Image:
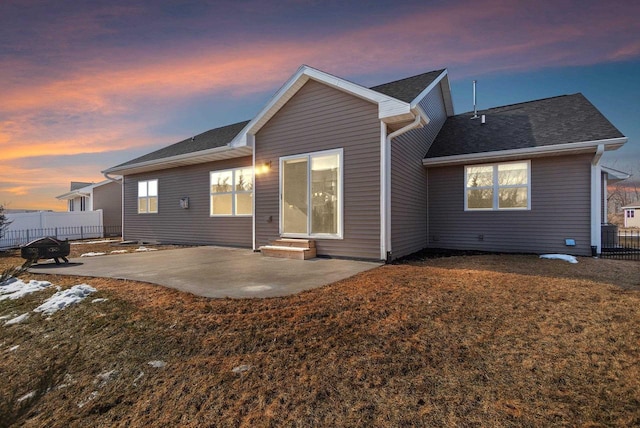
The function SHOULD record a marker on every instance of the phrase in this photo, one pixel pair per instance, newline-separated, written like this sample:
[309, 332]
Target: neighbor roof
[75, 185]
[546, 122]
[211, 139]
[409, 88]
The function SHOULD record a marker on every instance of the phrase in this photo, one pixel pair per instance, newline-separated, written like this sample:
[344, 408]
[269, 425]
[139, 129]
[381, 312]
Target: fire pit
[46, 248]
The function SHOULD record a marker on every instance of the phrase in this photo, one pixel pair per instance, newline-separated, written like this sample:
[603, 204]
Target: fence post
[81, 232]
[56, 233]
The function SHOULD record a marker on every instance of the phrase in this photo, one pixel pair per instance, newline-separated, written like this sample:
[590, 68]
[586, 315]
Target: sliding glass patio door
[311, 194]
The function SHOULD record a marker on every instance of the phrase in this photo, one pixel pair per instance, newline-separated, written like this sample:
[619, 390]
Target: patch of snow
[157, 364]
[18, 319]
[119, 251]
[91, 396]
[240, 369]
[564, 257]
[92, 254]
[27, 396]
[101, 299]
[5, 317]
[95, 242]
[137, 378]
[140, 249]
[104, 378]
[13, 348]
[15, 288]
[65, 298]
[257, 288]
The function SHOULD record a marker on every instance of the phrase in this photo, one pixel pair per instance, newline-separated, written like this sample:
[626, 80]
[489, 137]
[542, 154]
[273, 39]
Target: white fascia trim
[388, 107]
[428, 89]
[196, 157]
[558, 149]
[615, 174]
[73, 194]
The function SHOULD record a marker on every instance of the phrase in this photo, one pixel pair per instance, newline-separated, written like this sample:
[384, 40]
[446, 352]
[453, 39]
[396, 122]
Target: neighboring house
[379, 173]
[631, 216]
[105, 196]
[610, 176]
[78, 198]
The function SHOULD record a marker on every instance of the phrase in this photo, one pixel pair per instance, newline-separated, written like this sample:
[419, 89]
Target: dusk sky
[87, 85]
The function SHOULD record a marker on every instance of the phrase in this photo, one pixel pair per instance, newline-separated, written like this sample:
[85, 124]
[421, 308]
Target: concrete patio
[214, 271]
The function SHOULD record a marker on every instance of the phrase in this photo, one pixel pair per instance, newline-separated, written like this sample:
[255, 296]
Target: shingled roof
[409, 88]
[211, 139]
[404, 90]
[545, 122]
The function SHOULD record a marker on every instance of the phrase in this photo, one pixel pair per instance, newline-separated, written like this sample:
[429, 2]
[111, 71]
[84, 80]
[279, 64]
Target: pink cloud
[111, 102]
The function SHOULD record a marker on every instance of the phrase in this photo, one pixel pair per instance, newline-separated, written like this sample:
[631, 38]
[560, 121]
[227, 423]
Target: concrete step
[288, 252]
[293, 242]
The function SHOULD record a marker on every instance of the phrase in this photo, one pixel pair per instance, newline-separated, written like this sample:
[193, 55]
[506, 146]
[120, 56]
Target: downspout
[253, 200]
[596, 201]
[385, 185]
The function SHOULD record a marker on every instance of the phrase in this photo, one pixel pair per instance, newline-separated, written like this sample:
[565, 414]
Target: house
[105, 196]
[631, 215]
[379, 173]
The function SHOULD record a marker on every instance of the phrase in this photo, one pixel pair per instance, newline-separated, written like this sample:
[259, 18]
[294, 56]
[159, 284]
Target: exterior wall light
[264, 168]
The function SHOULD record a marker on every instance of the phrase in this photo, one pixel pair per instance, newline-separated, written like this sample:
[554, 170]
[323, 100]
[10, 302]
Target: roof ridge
[512, 106]
[407, 78]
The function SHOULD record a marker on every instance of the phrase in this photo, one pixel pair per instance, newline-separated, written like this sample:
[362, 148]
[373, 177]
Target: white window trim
[233, 191]
[147, 197]
[339, 235]
[496, 187]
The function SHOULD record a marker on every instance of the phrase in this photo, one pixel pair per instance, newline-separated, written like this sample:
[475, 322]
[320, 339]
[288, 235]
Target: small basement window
[500, 186]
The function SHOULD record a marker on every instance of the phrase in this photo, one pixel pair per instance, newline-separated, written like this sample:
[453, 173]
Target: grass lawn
[487, 340]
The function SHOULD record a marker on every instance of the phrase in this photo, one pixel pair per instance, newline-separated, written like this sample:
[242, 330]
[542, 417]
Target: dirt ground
[487, 340]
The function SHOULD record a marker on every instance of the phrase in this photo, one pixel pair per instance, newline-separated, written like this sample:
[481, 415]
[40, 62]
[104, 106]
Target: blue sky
[88, 85]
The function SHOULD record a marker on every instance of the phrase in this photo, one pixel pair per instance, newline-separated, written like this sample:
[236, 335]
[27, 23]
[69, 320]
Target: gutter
[167, 160]
[385, 178]
[559, 149]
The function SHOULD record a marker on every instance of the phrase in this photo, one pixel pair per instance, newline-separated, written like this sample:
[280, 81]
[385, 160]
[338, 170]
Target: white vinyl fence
[26, 227]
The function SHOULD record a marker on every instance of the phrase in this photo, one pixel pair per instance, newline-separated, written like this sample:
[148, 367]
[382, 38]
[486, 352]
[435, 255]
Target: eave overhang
[72, 195]
[202, 156]
[614, 174]
[530, 152]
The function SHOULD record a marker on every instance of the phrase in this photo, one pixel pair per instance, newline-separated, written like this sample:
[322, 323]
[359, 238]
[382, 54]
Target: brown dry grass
[467, 341]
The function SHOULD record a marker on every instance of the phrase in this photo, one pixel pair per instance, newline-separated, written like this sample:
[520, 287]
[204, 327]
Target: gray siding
[173, 224]
[321, 118]
[108, 198]
[409, 179]
[560, 208]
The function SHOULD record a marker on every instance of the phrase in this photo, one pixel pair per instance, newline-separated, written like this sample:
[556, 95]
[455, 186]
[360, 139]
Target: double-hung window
[311, 195]
[501, 186]
[147, 197]
[232, 192]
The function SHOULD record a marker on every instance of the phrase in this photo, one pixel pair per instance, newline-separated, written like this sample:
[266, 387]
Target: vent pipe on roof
[475, 104]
